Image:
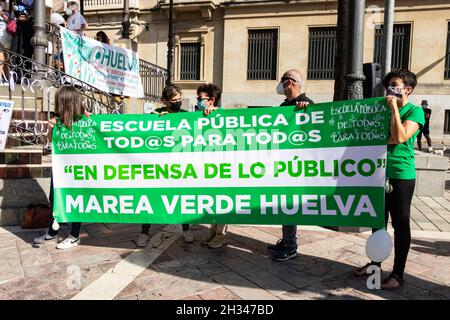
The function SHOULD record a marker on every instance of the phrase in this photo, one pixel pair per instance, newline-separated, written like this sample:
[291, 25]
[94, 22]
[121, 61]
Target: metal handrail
[153, 77]
[95, 3]
[35, 80]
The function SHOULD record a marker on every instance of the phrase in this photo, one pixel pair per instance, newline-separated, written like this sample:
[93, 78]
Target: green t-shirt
[400, 157]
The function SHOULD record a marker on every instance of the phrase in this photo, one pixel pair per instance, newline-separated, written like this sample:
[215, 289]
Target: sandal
[362, 271]
[388, 279]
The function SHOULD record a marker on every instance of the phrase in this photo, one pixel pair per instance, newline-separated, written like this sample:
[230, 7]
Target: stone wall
[430, 170]
[17, 194]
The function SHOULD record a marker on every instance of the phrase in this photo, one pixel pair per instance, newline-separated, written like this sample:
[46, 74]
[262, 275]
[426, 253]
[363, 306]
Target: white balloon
[55, 225]
[56, 18]
[379, 246]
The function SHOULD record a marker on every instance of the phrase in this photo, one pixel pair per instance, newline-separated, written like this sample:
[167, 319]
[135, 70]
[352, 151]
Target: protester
[58, 57]
[426, 128]
[171, 98]
[58, 60]
[5, 39]
[69, 108]
[290, 85]
[406, 121]
[102, 37]
[76, 21]
[208, 100]
[21, 41]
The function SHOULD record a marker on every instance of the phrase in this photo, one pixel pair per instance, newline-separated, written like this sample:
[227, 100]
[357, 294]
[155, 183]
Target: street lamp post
[170, 45]
[355, 45]
[126, 20]
[388, 30]
[39, 40]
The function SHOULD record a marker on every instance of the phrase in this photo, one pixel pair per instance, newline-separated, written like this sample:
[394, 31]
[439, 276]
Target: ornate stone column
[355, 75]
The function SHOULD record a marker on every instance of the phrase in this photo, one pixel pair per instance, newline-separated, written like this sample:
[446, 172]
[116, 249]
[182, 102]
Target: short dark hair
[212, 90]
[409, 78]
[170, 91]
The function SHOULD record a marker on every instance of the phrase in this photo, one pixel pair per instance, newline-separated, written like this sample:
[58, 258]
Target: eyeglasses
[202, 98]
[283, 79]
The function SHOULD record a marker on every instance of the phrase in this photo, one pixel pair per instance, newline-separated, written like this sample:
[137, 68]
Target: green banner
[324, 165]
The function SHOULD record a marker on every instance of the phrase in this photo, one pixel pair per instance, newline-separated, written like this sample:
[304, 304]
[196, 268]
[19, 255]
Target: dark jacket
[300, 98]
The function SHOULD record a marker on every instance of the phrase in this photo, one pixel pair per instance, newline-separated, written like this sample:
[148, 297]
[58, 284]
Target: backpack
[11, 26]
[37, 216]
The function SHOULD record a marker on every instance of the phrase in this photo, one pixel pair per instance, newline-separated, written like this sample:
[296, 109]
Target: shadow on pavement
[441, 248]
[243, 264]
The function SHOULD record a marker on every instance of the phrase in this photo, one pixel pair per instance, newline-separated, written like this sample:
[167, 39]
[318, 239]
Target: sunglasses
[283, 79]
[202, 98]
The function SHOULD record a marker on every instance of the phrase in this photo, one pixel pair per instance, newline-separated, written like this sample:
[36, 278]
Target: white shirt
[75, 21]
[2, 27]
[5, 37]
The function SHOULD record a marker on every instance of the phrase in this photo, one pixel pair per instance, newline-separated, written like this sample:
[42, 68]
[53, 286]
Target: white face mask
[280, 88]
[70, 9]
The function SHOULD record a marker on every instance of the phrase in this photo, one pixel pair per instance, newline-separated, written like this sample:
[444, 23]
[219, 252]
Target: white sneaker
[188, 236]
[68, 243]
[44, 239]
[142, 240]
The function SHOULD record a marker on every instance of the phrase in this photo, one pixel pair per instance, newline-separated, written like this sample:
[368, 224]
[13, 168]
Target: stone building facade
[214, 39]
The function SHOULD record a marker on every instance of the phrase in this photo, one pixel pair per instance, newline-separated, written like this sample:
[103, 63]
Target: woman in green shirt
[406, 120]
[171, 98]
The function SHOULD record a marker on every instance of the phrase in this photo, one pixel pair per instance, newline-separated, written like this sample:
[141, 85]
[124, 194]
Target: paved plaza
[108, 265]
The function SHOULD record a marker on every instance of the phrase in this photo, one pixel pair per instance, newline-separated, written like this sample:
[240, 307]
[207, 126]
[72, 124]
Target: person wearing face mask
[208, 101]
[426, 128]
[290, 86]
[406, 121]
[76, 21]
[171, 98]
[208, 98]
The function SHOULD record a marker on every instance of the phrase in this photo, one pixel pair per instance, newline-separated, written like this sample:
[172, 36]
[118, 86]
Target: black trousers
[398, 206]
[75, 227]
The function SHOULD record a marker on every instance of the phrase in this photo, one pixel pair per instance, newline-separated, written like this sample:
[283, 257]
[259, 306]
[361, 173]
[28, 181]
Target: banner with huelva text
[321, 166]
[105, 67]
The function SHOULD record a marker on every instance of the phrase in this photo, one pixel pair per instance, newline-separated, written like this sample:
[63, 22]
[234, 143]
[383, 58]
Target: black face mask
[175, 106]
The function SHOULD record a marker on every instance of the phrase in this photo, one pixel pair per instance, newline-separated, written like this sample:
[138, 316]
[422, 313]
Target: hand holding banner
[321, 166]
[105, 67]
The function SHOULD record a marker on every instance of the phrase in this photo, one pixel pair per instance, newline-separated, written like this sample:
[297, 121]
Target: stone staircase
[25, 170]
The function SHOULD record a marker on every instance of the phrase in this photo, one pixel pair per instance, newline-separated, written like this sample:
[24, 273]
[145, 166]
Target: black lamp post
[355, 45]
[126, 20]
[39, 40]
[387, 36]
[170, 45]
